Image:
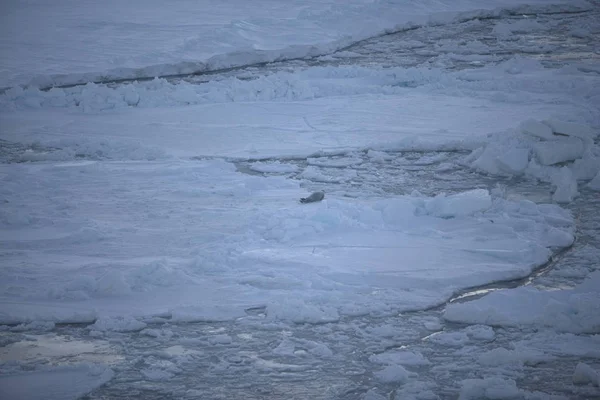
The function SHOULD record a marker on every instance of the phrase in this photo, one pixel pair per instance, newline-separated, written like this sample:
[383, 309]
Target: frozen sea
[152, 242]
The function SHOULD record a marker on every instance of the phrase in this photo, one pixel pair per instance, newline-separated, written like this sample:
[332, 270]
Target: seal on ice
[316, 196]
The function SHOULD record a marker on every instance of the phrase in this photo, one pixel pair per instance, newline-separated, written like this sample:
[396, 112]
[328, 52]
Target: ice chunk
[514, 161]
[486, 160]
[450, 339]
[501, 158]
[585, 374]
[392, 374]
[580, 32]
[299, 311]
[373, 395]
[501, 356]
[39, 326]
[461, 204]
[205, 313]
[576, 310]
[586, 167]
[379, 156]
[300, 347]
[399, 357]
[113, 283]
[557, 151]
[480, 332]
[566, 186]
[489, 388]
[63, 382]
[158, 333]
[156, 374]
[220, 339]
[537, 129]
[273, 167]
[571, 129]
[118, 324]
[595, 183]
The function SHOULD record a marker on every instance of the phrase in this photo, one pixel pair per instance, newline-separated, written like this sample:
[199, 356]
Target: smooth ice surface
[576, 310]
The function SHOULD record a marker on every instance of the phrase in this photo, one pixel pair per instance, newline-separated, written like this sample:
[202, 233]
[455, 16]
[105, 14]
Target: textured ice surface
[187, 37]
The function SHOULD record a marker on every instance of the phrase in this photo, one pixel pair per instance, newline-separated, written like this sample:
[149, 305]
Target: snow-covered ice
[54, 383]
[158, 218]
[187, 37]
[269, 247]
[576, 310]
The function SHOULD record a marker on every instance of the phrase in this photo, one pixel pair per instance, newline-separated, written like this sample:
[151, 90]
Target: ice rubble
[538, 149]
[318, 82]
